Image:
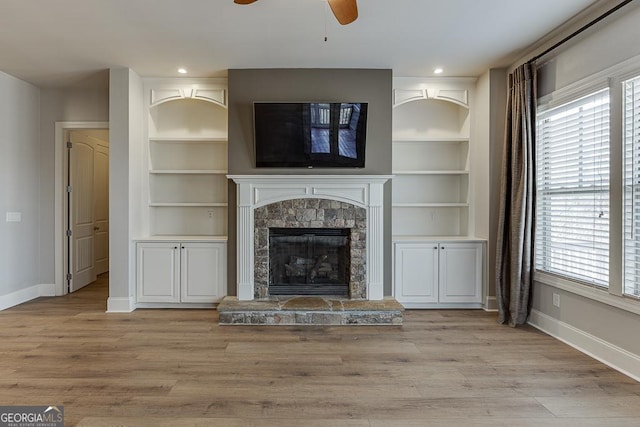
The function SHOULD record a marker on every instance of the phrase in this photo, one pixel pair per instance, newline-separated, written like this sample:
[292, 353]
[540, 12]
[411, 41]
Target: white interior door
[81, 210]
[101, 205]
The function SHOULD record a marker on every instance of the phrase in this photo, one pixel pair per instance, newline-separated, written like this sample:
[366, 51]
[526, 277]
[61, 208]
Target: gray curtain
[516, 227]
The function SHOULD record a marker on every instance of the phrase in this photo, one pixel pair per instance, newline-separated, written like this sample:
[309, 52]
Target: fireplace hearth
[309, 261]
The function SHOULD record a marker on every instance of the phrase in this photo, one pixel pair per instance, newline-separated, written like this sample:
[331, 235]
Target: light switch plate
[14, 216]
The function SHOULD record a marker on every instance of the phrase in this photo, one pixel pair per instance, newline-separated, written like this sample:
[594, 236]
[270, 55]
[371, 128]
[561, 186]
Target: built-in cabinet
[432, 203]
[181, 272]
[186, 187]
[438, 274]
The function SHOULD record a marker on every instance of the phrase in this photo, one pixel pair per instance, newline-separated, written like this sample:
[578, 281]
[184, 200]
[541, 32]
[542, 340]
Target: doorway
[87, 206]
[82, 204]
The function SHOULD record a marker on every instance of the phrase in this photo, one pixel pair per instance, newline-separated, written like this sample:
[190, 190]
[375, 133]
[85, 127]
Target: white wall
[19, 190]
[125, 178]
[72, 104]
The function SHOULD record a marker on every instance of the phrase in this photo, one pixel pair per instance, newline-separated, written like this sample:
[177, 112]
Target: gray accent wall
[308, 85]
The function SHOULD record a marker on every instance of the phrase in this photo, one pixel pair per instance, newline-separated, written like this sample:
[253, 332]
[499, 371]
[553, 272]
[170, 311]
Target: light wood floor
[179, 368]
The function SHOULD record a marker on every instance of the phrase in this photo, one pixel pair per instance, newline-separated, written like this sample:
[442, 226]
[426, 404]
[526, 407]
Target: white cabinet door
[203, 271]
[158, 266]
[416, 272]
[460, 273]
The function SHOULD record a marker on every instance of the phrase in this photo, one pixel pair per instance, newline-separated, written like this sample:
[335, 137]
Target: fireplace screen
[309, 261]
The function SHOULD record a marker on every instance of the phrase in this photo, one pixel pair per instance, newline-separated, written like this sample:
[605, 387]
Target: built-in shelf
[190, 171]
[195, 205]
[187, 158]
[431, 172]
[430, 205]
[190, 139]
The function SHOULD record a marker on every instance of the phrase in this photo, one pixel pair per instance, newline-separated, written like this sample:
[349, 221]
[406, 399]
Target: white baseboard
[491, 304]
[607, 353]
[120, 305]
[26, 294]
[47, 289]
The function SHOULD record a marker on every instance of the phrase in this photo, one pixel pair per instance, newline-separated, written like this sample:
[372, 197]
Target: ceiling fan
[345, 11]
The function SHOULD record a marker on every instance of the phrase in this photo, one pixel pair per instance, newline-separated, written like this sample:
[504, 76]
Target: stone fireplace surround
[311, 213]
[303, 199]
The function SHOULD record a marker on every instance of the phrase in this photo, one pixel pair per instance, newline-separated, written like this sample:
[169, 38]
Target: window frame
[612, 78]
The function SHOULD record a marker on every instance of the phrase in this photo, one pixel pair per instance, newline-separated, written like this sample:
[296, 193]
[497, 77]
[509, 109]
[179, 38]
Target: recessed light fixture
[182, 70]
[438, 71]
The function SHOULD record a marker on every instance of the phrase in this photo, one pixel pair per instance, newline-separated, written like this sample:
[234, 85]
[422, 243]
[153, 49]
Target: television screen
[311, 134]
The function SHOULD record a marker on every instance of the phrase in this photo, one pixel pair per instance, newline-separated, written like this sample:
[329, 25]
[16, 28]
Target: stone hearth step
[309, 310]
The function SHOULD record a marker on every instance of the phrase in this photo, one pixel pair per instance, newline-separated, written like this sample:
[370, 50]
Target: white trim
[59, 205]
[26, 294]
[490, 303]
[441, 305]
[592, 83]
[120, 305]
[617, 358]
[626, 303]
[47, 289]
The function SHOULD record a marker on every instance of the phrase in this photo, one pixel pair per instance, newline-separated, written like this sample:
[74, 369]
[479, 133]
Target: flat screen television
[310, 134]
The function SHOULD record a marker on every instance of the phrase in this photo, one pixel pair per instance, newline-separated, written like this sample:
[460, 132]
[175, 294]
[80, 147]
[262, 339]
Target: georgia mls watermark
[31, 416]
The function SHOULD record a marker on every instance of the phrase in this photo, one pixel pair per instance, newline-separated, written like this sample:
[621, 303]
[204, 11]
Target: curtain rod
[580, 30]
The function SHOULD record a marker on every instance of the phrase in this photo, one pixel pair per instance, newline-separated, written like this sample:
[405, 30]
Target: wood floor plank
[179, 367]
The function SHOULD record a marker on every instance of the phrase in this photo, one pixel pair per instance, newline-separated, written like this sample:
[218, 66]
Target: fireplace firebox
[309, 261]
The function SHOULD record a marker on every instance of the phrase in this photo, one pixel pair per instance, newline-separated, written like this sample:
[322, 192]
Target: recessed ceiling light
[182, 70]
[438, 71]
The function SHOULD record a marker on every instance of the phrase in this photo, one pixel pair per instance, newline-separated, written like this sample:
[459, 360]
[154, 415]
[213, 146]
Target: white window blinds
[572, 215]
[631, 90]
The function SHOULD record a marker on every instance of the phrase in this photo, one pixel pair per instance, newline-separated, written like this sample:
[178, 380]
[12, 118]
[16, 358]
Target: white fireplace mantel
[361, 190]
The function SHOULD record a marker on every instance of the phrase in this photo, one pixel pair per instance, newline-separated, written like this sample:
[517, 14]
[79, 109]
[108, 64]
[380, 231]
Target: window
[631, 129]
[572, 224]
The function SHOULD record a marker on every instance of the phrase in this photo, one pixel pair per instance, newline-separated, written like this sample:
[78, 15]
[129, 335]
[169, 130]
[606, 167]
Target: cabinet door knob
[175, 247]
[435, 247]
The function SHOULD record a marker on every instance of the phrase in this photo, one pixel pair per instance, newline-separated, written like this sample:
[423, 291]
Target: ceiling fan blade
[244, 1]
[346, 11]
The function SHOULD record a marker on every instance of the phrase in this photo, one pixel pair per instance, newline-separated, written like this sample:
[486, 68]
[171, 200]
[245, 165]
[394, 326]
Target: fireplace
[352, 202]
[304, 229]
[309, 261]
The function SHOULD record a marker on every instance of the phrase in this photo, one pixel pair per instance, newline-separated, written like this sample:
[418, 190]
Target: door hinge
[69, 233]
[69, 144]
[69, 189]
[69, 276]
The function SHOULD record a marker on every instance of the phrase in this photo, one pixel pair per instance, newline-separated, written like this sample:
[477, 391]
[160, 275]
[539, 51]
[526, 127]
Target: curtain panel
[516, 227]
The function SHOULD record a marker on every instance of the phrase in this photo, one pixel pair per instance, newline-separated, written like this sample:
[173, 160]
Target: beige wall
[599, 323]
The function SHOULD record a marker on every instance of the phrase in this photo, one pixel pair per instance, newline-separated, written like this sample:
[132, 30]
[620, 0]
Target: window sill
[622, 302]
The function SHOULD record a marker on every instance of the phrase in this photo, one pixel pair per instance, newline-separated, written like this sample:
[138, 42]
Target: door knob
[96, 228]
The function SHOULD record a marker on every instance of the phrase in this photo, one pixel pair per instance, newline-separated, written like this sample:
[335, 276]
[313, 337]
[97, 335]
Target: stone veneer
[311, 213]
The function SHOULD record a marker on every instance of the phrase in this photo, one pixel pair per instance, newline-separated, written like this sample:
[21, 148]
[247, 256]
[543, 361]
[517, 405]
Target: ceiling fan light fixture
[345, 11]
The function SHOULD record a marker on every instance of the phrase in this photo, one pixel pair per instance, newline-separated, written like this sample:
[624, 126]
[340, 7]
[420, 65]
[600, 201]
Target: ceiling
[64, 42]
